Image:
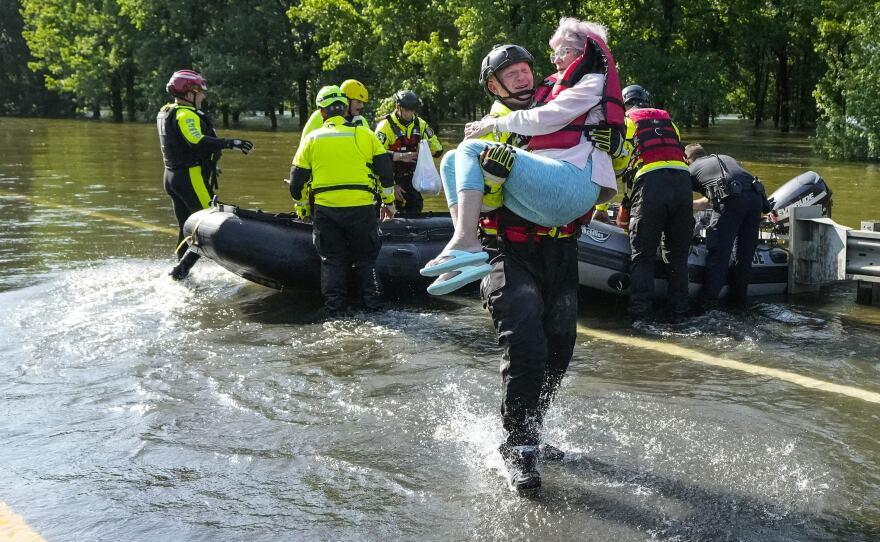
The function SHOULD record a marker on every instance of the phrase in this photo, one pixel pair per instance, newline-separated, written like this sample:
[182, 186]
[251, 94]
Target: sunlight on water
[138, 408]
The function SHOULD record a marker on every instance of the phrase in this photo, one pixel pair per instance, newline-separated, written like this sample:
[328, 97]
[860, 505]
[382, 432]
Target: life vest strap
[509, 227]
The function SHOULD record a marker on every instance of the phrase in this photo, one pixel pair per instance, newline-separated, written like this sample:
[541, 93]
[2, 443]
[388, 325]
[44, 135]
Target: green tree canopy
[798, 63]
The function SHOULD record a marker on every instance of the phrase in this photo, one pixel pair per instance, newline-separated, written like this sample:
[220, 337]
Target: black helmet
[500, 57]
[407, 99]
[636, 95]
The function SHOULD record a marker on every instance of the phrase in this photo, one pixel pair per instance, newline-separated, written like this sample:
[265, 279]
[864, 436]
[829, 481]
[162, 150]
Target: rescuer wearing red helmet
[190, 150]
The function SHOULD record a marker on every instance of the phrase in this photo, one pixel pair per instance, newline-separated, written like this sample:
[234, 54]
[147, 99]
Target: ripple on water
[208, 403]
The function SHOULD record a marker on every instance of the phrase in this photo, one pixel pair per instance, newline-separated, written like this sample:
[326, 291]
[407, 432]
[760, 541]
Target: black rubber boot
[548, 452]
[369, 288]
[181, 270]
[522, 465]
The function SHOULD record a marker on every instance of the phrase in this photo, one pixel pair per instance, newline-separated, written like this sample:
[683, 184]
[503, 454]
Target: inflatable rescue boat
[276, 250]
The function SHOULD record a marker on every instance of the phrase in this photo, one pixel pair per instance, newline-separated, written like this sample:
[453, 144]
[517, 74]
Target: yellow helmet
[329, 95]
[355, 90]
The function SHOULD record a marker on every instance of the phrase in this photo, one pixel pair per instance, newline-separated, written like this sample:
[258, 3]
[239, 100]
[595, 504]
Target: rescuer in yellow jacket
[190, 151]
[346, 169]
[357, 95]
[400, 133]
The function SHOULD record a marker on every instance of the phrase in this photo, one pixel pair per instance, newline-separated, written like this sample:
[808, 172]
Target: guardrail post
[818, 250]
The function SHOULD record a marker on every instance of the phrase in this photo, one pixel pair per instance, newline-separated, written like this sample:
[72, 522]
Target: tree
[21, 90]
[848, 94]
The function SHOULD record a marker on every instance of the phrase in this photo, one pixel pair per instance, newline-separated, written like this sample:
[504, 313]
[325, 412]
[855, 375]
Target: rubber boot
[548, 452]
[369, 287]
[334, 288]
[522, 466]
[181, 270]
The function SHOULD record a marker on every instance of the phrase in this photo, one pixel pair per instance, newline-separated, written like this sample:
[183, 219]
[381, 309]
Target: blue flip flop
[463, 275]
[457, 259]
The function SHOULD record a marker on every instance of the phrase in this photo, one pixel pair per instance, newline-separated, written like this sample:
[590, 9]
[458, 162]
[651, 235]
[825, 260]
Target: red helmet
[182, 81]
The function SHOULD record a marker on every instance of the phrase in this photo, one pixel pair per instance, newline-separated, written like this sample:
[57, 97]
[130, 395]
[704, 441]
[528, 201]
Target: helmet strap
[182, 98]
[401, 121]
[523, 97]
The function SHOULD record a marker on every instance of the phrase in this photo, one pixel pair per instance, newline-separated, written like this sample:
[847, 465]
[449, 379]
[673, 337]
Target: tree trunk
[129, 93]
[116, 98]
[273, 117]
[783, 90]
[761, 79]
[302, 100]
[224, 110]
[235, 115]
[96, 110]
[704, 116]
[667, 24]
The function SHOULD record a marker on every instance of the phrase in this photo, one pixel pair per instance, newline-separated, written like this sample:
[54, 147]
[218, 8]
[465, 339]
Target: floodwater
[135, 408]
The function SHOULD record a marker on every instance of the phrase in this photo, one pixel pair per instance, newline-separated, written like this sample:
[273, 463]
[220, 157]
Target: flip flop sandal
[463, 275]
[457, 259]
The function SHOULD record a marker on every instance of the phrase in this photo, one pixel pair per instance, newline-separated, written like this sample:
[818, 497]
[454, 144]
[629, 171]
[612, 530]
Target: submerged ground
[135, 408]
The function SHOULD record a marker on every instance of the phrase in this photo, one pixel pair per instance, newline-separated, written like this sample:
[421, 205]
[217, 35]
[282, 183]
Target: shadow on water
[694, 513]
[377, 426]
[304, 306]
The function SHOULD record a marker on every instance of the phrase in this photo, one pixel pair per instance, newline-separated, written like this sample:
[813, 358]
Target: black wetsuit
[531, 294]
[190, 161]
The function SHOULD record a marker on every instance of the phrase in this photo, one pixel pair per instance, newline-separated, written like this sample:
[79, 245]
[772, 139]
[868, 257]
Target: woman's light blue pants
[541, 190]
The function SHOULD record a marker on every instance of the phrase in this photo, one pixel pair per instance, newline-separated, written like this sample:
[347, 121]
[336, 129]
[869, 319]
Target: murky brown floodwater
[136, 408]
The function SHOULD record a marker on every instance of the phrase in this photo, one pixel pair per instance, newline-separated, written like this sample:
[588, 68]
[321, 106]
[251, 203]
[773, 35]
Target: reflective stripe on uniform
[198, 184]
[332, 134]
[553, 232]
[664, 164]
[190, 125]
[339, 156]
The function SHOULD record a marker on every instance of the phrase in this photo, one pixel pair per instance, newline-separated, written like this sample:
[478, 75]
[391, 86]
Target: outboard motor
[804, 190]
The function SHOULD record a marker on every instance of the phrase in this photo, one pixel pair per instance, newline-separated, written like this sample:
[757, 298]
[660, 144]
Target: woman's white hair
[574, 32]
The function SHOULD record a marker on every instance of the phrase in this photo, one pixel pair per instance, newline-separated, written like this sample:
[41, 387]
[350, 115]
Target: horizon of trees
[795, 64]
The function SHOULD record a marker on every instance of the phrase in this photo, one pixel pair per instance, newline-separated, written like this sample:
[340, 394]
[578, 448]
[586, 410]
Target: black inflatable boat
[276, 250]
[604, 249]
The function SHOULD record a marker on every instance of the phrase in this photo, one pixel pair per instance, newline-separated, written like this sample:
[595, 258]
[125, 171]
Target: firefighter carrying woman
[530, 202]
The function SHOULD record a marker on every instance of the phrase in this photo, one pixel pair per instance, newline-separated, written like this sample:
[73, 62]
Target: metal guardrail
[863, 255]
[824, 252]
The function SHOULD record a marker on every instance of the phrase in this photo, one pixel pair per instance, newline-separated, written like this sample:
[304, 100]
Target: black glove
[606, 139]
[497, 161]
[243, 145]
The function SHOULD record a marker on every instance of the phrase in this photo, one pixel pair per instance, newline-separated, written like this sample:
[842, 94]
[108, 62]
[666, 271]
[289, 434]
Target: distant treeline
[798, 64]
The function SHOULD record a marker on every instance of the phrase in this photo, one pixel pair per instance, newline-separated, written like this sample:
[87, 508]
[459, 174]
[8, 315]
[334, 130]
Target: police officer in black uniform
[190, 150]
[737, 196]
